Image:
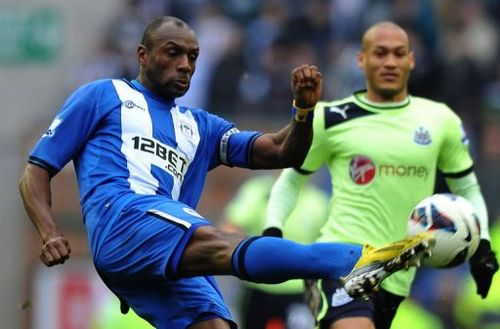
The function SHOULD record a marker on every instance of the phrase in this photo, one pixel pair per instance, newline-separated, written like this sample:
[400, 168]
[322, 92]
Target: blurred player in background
[280, 305]
[382, 147]
[141, 162]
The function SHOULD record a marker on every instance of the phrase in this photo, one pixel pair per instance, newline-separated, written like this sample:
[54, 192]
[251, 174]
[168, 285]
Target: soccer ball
[456, 227]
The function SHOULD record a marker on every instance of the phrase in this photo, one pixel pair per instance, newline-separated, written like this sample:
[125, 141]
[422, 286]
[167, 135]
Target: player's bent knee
[209, 252]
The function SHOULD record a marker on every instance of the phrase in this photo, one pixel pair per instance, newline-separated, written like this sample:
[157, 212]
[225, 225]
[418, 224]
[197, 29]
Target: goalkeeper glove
[483, 264]
[273, 231]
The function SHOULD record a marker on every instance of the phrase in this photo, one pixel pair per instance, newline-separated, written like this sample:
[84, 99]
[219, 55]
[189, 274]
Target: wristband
[302, 114]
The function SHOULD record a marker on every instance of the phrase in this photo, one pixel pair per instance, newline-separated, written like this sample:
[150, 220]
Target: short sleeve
[231, 147]
[69, 130]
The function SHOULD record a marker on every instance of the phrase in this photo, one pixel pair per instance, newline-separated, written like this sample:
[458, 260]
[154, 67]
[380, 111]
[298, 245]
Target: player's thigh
[209, 251]
[386, 306]
[146, 240]
[353, 322]
[344, 312]
[341, 311]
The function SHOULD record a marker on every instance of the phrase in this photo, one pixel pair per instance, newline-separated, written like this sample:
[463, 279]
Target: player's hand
[307, 85]
[483, 264]
[55, 250]
[273, 231]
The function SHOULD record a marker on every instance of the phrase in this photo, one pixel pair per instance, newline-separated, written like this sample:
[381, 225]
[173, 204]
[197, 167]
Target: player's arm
[66, 135]
[468, 187]
[282, 201]
[483, 263]
[455, 155]
[35, 190]
[289, 146]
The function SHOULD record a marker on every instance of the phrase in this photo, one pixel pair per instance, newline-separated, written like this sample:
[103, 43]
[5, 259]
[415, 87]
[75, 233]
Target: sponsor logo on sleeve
[464, 138]
[51, 131]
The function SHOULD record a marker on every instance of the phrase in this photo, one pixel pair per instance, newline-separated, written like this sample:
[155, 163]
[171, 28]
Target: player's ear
[361, 59]
[412, 60]
[142, 54]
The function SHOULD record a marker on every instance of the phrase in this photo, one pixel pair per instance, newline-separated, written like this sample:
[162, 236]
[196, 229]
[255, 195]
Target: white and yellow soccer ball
[455, 225]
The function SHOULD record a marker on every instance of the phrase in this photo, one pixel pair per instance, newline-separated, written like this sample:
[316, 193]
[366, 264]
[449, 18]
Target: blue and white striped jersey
[125, 140]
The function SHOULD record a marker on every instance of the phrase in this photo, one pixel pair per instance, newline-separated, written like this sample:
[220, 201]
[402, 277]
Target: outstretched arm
[283, 199]
[483, 264]
[289, 146]
[34, 187]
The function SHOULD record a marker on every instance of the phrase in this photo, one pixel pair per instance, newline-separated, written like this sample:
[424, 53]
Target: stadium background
[248, 47]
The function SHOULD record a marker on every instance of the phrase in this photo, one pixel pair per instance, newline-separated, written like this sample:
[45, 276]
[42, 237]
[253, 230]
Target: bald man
[382, 147]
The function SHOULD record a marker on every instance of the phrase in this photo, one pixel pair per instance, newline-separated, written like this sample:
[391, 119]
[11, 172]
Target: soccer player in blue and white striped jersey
[141, 161]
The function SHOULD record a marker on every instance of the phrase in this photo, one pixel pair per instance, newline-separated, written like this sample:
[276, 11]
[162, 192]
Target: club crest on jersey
[340, 297]
[422, 136]
[362, 170]
[186, 128]
[52, 128]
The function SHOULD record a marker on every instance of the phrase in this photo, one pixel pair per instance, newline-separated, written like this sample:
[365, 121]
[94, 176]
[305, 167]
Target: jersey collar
[360, 97]
[140, 87]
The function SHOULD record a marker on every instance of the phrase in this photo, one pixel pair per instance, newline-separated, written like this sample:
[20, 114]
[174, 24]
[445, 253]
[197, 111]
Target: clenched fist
[55, 250]
[307, 85]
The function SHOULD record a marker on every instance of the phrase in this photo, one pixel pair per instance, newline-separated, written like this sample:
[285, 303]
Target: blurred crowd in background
[248, 48]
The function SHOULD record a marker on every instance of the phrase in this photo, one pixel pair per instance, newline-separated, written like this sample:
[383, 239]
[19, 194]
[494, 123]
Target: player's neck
[153, 89]
[377, 98]
[369, 101]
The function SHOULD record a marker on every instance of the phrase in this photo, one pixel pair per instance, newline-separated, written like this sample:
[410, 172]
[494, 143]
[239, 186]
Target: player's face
[387, 62]
[169, 64]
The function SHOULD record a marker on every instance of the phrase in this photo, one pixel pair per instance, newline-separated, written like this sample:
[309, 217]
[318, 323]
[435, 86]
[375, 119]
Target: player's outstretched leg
[375, 264]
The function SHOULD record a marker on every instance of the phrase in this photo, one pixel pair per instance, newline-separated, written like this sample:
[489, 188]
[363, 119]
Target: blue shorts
[137, 252]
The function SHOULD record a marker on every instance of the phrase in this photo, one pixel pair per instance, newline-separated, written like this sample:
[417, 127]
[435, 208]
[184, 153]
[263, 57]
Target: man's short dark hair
[155, 24]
